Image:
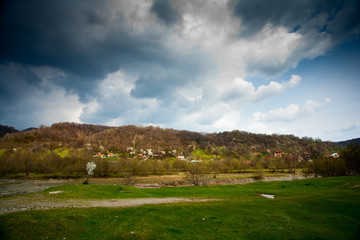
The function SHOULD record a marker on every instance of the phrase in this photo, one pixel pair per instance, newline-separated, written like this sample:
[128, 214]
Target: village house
[141, 156]
[306, 156]
[195, 161]
[278, 153]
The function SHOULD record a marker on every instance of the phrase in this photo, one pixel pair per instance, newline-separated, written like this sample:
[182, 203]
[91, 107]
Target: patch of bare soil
[10, 187]
[24, 203]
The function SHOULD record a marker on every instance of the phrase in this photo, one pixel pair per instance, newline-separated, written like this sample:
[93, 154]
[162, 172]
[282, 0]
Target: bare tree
[198, 174]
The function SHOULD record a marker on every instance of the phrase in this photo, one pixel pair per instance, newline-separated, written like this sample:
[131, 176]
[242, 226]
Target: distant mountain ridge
[9, 129]
[344, 143]
[29, 129]
[6, 129]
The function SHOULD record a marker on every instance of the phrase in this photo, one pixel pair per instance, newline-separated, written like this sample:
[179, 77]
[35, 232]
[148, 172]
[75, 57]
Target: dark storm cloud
[294, 14]
[345, 22]
[164, 80]
[164, 11]
[89, 39]
[45, 33]
[14, 88]
[151, 86]
[82, 38]
[52, 33]
[80, 43]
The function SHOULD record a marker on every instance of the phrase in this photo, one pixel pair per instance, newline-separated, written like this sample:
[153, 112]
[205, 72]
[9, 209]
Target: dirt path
[22, 203]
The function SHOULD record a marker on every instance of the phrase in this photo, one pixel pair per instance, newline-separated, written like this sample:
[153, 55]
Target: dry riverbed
[13, 187]
[14, 192]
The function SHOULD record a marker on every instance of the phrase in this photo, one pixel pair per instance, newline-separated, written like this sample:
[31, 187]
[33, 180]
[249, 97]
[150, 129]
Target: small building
[180, 157]
[306, 156]
[278, 153]
[195, 161]
[142, 156]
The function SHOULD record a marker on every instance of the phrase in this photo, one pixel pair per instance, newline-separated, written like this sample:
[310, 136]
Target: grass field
[327, 208]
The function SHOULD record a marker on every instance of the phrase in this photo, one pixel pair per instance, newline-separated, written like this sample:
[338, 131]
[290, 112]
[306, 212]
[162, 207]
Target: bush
[328, 167]
[351, 156]
[198, 174]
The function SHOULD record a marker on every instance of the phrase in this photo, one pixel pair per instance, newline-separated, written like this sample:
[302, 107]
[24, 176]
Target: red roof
[268, 157]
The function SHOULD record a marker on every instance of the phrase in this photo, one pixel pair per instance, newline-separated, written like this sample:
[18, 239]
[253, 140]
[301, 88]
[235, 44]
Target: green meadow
[322, 208]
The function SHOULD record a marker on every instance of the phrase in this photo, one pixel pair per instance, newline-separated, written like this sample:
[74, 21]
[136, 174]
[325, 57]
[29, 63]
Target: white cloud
[259, 127]
[191, 92]
[212, 27]
[210, 118]
[54, 106]
[291, 112]
[229, 121]
[115, 82]
[276, 87]
[354, 127]
[115, 122]
[311, 106]
[244, 92]
[301, 120]
[114, 104]
[192, 106]
[282, 114]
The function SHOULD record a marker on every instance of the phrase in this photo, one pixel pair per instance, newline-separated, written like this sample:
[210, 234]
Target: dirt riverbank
[13, 187]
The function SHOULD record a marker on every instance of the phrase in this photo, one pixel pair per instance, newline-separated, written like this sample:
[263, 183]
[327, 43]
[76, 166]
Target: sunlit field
[325, 208]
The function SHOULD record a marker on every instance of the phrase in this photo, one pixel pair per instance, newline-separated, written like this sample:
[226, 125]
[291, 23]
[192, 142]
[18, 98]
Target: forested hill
[99, 138]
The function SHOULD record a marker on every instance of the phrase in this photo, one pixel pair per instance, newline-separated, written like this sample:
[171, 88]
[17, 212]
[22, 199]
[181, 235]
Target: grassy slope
[306, 209]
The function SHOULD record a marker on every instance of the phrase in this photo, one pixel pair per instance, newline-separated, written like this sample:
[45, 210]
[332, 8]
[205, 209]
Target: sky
[283, 67]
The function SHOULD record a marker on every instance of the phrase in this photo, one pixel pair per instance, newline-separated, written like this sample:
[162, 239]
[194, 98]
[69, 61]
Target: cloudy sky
[286, 67]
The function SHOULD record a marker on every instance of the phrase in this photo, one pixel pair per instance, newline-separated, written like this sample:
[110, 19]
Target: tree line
[73, 163]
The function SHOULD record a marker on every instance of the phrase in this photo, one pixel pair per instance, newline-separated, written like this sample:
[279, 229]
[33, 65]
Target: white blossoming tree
[90, 167]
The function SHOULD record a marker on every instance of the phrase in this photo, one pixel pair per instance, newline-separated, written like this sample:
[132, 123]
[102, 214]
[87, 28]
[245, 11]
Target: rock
[56, 192]
[267, 196]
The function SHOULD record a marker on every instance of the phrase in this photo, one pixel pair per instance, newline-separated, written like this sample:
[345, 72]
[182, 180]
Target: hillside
[64, 150]
[120, 139]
